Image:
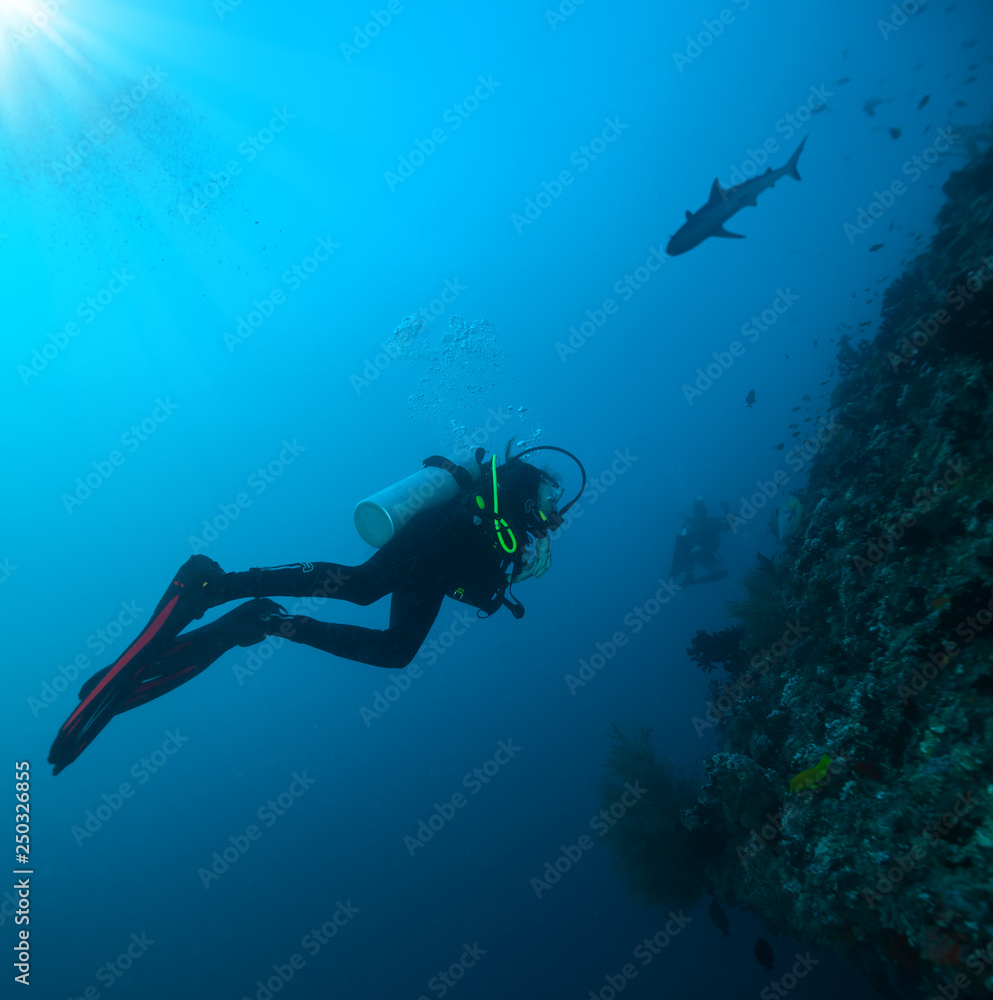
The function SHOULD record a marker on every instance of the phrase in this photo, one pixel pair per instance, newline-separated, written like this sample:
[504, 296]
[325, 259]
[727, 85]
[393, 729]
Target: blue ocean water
[259, 262]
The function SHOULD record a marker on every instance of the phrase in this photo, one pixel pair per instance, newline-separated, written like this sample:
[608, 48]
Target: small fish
[750, 398]
[763, 952]
[871, 105]
[818, 108]
[968, 80]
[924, 100]
[868, 769]
[812, 777]
[960, 104]
[806, 398]
[843, 81]
[876, 246]
[785, 518]
[779, 447]
[895, 133]
[815, 343]
[719, 918]
[919, 66]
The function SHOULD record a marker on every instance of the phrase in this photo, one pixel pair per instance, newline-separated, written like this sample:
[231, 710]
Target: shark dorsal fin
[689, 214]
[716, 193]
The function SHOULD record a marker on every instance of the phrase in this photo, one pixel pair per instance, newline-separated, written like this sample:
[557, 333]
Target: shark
[725, 202]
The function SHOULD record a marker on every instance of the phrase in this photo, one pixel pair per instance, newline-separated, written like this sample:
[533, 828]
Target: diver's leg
[383, 573]
[362, 584]
[192, 652]
[718, 569]
[321, 579]
[412, 613]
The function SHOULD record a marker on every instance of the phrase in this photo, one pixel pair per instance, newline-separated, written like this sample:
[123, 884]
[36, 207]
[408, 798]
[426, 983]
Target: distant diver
[697, 544]
[466, 530]
[725, 202]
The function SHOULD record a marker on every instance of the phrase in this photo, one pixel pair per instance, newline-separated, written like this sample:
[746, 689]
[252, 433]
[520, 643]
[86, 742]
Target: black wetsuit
[438, 552]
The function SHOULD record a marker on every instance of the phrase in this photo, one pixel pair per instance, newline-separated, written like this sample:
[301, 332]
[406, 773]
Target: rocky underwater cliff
[851, 801]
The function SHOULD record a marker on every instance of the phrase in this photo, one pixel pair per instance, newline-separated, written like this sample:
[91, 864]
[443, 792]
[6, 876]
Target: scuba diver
[468, 531]
[697, 544]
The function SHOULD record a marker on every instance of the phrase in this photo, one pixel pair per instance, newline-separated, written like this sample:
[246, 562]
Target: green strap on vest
[498, 522]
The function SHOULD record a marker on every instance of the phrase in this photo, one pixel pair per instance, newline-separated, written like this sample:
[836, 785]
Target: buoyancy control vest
[495, 510]
[503, 509]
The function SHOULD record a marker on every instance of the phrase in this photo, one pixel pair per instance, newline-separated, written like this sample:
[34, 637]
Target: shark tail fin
[791, 165]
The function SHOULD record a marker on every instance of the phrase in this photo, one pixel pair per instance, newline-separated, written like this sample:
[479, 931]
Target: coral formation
[652, 826]
[710, 650]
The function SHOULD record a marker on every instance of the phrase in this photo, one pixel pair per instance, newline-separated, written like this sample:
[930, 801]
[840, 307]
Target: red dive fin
[102, 697]
[99, 705]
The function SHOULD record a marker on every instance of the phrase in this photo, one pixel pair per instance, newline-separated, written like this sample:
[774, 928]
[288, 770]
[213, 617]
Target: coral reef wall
[868, 640]
[885, 662]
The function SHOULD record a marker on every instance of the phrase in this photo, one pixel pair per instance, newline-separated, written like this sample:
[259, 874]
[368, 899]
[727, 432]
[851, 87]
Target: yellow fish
[812, 776]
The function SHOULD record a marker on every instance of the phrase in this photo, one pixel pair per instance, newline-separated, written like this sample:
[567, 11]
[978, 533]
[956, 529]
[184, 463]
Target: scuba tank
[379, 517]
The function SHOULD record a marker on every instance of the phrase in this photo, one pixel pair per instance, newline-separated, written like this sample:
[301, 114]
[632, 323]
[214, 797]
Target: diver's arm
[540, 563]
